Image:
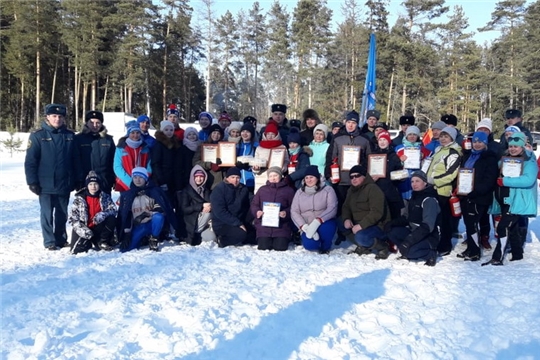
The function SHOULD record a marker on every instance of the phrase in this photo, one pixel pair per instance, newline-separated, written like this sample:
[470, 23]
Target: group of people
[323, 189]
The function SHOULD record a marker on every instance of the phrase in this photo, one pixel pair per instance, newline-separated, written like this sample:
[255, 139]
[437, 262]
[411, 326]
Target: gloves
[242, 166]
[215, 167]
[157, 208]
[141, 218]
[36, 189]
[500, 181]
[83, 231]
[99, 217]
[164, 187]
[312, 229]
[218, 161]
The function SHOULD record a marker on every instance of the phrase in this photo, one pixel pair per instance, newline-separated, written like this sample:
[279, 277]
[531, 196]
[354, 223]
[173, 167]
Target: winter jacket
[148, 139]
[273, 192]
[301, 162]
[523, 195]
[398, 140]
[186, 164]
[388, 186]
[319, 154]
[444, 167]
[486, 171]
[192, 202]
[247, 149]
[321, 204]
[95, 151]
[214, 171]
[78, 215]
[404, 186]
[230, 204]
[166, 162]
[365, 205]
[306, 136]
[125, 162]
[334, 151]
[51, 160]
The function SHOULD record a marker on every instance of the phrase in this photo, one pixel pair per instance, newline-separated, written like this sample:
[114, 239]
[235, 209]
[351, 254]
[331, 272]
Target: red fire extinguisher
[467, 144]
[291, 167]
[334, 172]
[455, 206]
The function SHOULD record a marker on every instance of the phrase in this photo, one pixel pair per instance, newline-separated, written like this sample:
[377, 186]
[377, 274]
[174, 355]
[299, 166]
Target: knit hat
[233, 171]
[413, 129]
[173, 110]
[358, 169]
[375, 113]
[206, 115]
[55, 109]
[224, 117]
[92, 177]
[449, 119]
[312, 170]
[294, 136]
[279, 107]
[93, 114]
[485, 123]
[275, 169]
[384, 135]
[352, 116]
[321, 127]
[216, 127]
[512, 129]
[517, 139]
[190, 130]
[132, 126]
[512, 113]
[406, 120]
[450, 131]
[199, 173]
[480, 136]
[143, 118]
[250, 119]
[420, 174]
[336, 124]
[235, 125]
[164, 124]
[140, 171]
[272, 127]
[247, 126]
[439, 125]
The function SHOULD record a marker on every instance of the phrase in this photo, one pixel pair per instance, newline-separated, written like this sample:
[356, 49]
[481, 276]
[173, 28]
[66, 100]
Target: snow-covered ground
[240, 303]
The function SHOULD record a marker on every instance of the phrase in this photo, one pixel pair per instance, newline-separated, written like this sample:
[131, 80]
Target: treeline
[138, 56]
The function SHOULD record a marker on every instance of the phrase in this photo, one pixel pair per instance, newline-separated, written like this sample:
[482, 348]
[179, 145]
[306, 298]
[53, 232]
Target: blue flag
[368, 97]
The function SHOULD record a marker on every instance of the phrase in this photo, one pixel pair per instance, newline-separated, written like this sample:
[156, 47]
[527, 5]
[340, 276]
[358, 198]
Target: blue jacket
[246, 149]
[51, 160]
[148, 139]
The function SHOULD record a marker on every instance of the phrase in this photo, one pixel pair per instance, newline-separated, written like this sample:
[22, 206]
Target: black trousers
[229, 235]
[472, 214]
[53, 208]
[103, 233]
[275, 243]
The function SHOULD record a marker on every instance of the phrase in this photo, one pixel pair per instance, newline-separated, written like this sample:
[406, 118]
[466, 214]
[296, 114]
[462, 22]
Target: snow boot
[361, 250]
[381, 249]
[484, 241]
[153, 243]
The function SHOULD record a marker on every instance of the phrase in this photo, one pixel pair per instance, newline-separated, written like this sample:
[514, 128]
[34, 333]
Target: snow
[240, 303]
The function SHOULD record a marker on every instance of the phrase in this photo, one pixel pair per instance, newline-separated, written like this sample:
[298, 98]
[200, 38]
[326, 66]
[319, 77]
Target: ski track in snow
[240, 303]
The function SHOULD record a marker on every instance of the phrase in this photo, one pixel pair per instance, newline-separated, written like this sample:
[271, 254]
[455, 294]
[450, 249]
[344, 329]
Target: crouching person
[144, 211]
[416, 234]
[196, 208]
[93, 217]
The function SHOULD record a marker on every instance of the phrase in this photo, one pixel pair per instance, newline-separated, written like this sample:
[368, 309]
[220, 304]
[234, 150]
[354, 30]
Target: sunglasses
[511, 138]
[355, 176]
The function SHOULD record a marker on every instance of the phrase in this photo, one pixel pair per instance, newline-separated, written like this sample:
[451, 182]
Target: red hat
[272, 127]
[385, 135]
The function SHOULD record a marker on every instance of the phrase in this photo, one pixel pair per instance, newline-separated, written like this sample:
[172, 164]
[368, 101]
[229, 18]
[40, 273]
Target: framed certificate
[377, 165]
[350, 156]
[511, 166]
[209, 152]
[227, 153]
[413, 157]
[277, 157]
[426, 164]
[465, 181]
[270, 216]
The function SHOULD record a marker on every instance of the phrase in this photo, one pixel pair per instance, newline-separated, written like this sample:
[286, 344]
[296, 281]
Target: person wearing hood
[190, 145]
[196, 208]
[314, 210]
[166, 161]
[247, 147]
[442, 173]
[416, 233]
[319, 146]
[298, 157]
[280, 119]
[205, 121]
[173, 115]
[275, 191]
[310, 119]
[144, 125]
[143, 212]
[364, 214]
[52, 168]
[95, 151]
[214, 171]
[92, 217]
[131, 152]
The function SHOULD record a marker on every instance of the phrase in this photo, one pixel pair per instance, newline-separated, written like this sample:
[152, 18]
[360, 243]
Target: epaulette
[33, 131]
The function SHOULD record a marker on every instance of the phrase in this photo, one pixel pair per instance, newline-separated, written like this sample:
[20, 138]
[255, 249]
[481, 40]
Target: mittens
[36, 189]
[312, 228]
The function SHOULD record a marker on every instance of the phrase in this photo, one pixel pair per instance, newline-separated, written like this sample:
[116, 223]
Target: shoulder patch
[29, 144]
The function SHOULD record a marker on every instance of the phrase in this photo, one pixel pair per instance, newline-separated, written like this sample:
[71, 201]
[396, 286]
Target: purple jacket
[306, 207]
[273, 192]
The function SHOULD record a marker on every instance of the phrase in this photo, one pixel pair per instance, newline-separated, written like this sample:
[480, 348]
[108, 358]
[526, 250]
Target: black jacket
[388, 186]
[486, 171]
[230, 204]
[166, 162]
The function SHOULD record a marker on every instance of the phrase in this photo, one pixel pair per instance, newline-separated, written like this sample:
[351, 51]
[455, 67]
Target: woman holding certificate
[246, 149]
[476, 181]
[271, 152]
[271, 208]
[515, 197]
[314, 210]
[207, 156]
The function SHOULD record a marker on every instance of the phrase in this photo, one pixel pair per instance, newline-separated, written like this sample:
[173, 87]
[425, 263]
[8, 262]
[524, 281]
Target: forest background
[138, 56]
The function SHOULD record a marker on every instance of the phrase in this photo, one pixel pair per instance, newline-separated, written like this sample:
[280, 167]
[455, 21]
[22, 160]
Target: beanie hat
[321, 127]
[358, 169]
[206, 115]
[172, 110]
[216, 127]
[512, 113]
[381, 125]
[140, 171]
[164, 124]
[294, 136]
[413, 129]
[374, 113]
[449, 119]
[190, 130]
[352, 116]
[275, 169]
[310, 114]
[517, 139]
[439, 125]
[312, 170]
[132, 126]
[55, 109]
[336, 124]
[279, 107]
[480, 136]
[384, 135]
[92, 177]
[406, 120]
[450, 131]
[143, 118]
[93, 114]
[272, 127]
[224, 116]
[199, 172]
[295, 123]
[235, 125]
[420, 174]
[485, 123]
[233, 171]
[247, 126]
[512, 129]
[250, 119]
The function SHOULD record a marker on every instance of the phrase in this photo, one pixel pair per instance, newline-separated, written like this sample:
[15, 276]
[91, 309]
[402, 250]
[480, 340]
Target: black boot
[360, 250]
[381, 249]
[153, 243]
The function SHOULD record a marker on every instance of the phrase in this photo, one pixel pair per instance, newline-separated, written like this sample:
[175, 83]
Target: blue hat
[517, 139]
[512, 129]
[294, 136]
[143, 118]
[233, 171]
[55, 109]
[140, 171]
[352, 116]
[173, 110]
[480, 136]
[312, 170]
[132, 125]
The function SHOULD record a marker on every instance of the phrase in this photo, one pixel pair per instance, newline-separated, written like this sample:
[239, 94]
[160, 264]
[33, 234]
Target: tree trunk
[390, 99]
[38, 88]
[105, 94]
[404, 99]
[164, 83]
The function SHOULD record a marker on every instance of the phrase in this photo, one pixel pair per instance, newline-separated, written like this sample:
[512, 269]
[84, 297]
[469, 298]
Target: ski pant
[326, 232]
[53, 208]
[448, 224]
[422, 250]
[508, 231]
[229, 235]
[472, 213]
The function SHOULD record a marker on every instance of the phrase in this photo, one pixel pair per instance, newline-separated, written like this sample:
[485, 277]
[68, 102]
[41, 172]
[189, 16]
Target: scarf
[294, 151]
[475, 155]
[310, 189]
[133, 144]
[191, 145]
[270, 144]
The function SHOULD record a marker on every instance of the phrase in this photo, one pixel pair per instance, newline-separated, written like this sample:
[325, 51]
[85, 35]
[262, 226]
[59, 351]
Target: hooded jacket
[192, 199]
[79, 213]
[321, 204]
[125, 162]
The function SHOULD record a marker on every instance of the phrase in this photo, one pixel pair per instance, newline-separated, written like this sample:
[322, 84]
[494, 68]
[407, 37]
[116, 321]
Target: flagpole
[368, 97]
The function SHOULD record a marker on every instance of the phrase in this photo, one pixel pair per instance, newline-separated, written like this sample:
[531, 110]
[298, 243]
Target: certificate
[511, 166]
[413, 157]
[270, 216]
[465, 181]
[227, 153]
[377, 165]
[350, 156]
[426, 164]
[277, 157]
[260, 180]
[209, 153]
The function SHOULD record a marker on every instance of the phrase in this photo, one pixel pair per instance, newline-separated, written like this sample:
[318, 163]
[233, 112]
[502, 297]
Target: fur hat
[485, 123]
[294, 136]
[140, 171]
[517, 139]
[312, 170]
[295, 123]
[412, 129]
[352, 116]
[272, 127]
[233, 171]
[336, 124]
[439, 125]
[275, 169]
[406, 120]
[143, 118]
[279, 107]
[164, 124]
[55, 109]
[92, 177]
[384, 135]
[93, 114]
[375, 113]
[420, 174]
[358, 169]
[449, 119]
[450, 131]
[512, 113]
[310, 114]
[322, 128]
